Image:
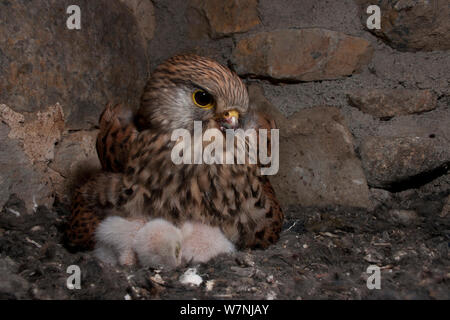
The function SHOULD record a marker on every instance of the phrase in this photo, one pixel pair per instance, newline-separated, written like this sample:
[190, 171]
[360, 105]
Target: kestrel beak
[229, 120]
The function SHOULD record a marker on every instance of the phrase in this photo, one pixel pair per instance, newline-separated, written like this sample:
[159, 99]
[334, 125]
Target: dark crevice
[277, 81]
[419, 180]
[91, 128]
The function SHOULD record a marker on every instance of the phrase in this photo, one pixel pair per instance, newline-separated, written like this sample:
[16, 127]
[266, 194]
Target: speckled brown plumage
[117, 133]
[234, 197]
[90, 206]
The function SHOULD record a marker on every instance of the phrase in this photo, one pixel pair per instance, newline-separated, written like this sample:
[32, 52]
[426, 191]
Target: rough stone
[219, 18]
[39, 160]
[318, 165]
[39, 135]
[404, 217]
[390, 162]
[18, 176]
[144, 12]
[260, 103]
[74, 147]
[12, 286]
[410, 25]
[28, 143]
[75, 156]
[388, 103]
[446, 209]
[42, 62]
[301, 55]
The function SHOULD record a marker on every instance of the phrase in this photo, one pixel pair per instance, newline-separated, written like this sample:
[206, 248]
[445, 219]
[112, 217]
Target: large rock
[219, 18]
[75, 148]
[446, 209]
[301, 55]
[144, 12]
[260, 102]
[42, 62]
[318, 165]
[387, 103]
[18, 175]
[75, 159]
[390, 162]
[38, 135]
[28, 144]
[39, 159]
[411, 25]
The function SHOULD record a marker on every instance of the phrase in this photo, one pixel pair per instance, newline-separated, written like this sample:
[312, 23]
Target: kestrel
[144, 183]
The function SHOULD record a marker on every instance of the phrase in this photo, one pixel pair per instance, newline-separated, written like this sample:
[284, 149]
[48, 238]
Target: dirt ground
[322, 254]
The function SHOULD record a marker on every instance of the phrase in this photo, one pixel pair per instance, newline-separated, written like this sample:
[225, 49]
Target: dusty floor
[323, 254]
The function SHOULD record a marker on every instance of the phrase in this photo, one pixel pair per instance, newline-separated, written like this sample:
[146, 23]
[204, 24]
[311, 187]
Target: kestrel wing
[117, 133]
[92, 202]
[270, 233]
[263, 121]
[269, 229]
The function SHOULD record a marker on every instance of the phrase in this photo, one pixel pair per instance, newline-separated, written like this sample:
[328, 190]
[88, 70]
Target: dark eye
[203, 99]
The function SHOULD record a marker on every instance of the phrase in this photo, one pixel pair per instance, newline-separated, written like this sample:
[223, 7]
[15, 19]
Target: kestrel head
[188, 88]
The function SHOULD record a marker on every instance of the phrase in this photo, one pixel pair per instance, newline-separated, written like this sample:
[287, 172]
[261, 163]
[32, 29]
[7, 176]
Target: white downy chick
[158, 244]
[114, 240]
[202, 242]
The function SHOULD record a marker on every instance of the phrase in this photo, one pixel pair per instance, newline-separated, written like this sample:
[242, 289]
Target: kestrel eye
[203, 99]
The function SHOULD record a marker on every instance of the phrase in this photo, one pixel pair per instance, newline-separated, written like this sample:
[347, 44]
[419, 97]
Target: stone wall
[363, 115]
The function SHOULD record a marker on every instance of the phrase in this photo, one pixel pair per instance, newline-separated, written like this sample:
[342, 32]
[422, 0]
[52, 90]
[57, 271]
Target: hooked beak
[229, 120]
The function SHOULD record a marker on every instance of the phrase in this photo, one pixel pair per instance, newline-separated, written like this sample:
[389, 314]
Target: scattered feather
[190, 277]
[16, 213]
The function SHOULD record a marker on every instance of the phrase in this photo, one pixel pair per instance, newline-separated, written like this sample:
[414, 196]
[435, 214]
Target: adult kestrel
[233, 197]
